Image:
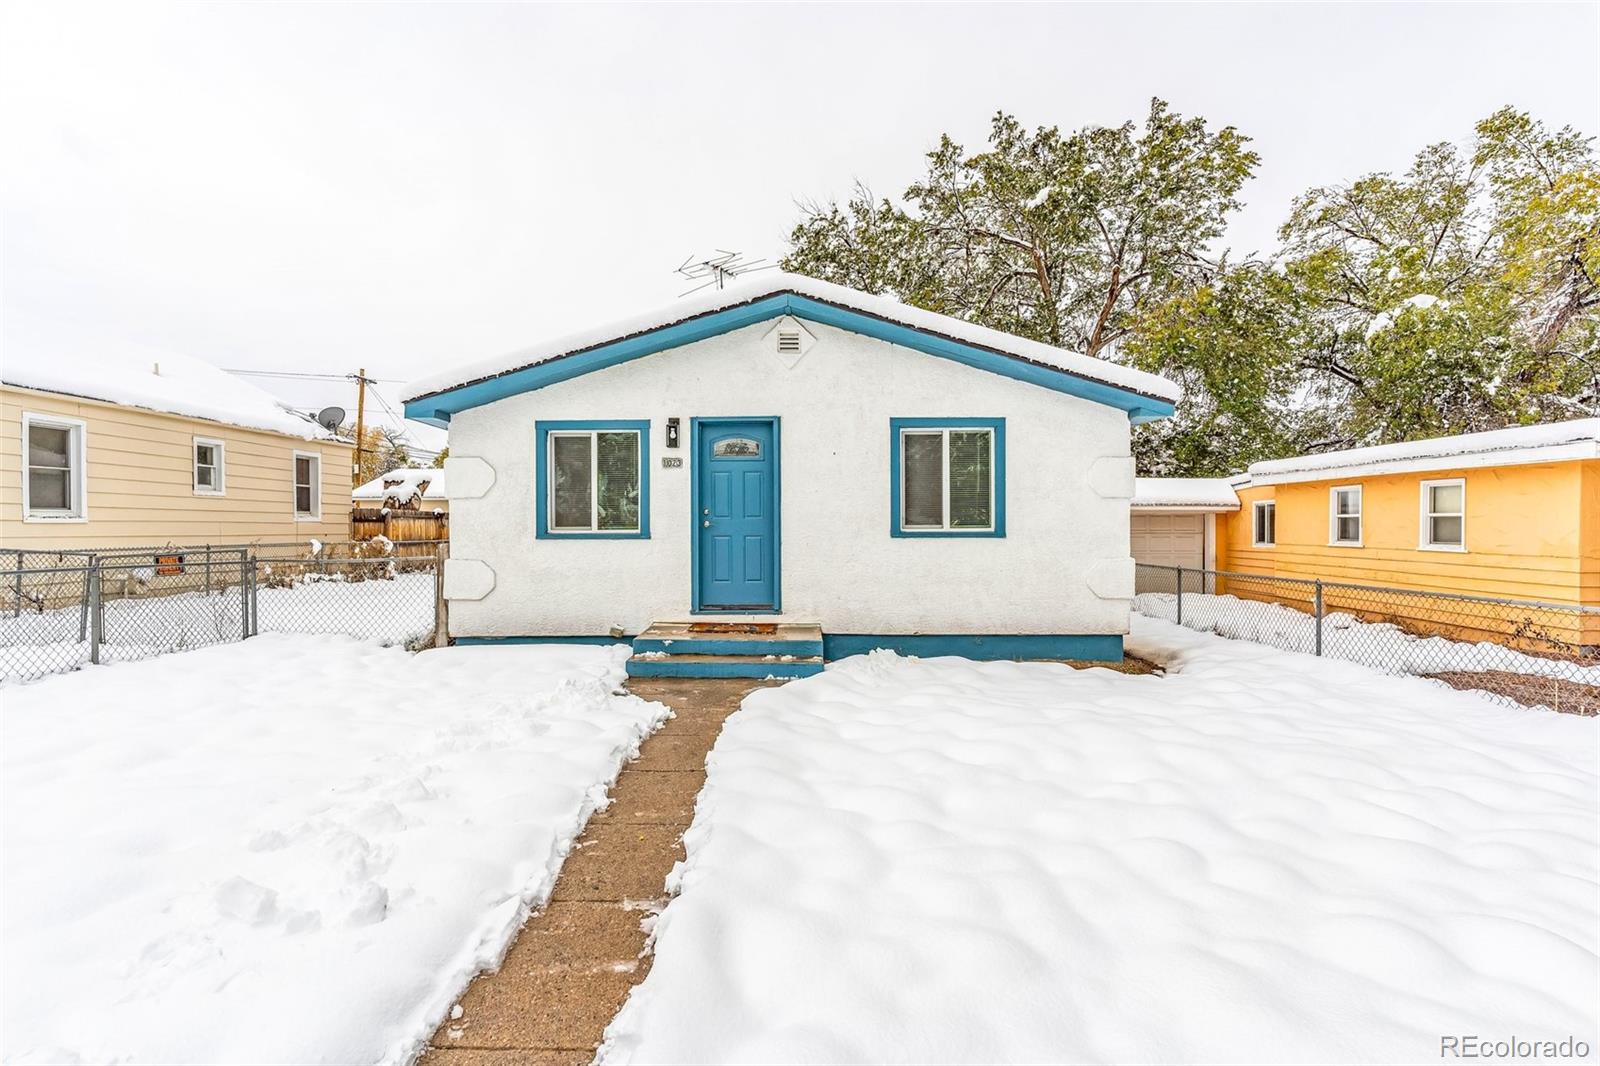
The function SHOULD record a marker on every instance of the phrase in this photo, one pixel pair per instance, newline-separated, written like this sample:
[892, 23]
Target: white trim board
[1573, 451]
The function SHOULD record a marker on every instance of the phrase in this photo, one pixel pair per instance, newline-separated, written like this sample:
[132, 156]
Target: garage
[1172, 521]
[1167, 540]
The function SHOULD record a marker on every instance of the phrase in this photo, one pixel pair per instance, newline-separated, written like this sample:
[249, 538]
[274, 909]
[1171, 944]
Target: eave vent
[789, 340]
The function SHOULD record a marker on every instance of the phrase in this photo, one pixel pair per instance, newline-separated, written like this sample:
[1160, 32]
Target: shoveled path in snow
[573, 964]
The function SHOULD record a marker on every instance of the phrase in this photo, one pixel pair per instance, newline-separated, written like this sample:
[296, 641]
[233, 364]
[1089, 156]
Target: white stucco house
[750, 480]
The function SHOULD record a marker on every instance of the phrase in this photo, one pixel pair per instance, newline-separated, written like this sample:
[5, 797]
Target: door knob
[706, 511]
[707, 523]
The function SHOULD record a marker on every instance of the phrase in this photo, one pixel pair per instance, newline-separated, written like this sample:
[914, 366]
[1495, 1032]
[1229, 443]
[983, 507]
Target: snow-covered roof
[1551, 442]
[1185, 493]
[403, 485]
[121, 372]
[760, 286]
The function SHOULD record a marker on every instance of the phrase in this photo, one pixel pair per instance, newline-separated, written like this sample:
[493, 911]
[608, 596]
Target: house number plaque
[670, 461]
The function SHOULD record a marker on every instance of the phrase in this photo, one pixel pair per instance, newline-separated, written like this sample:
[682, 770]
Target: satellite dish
[330, 418]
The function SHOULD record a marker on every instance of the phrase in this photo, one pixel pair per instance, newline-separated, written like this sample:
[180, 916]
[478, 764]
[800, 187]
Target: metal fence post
[244, 595]
[441, 606]
[255, 596]
[1317, 613]
[1179, 570]
[208, 569]
[96, 612]
[16, 604]
[83, 604]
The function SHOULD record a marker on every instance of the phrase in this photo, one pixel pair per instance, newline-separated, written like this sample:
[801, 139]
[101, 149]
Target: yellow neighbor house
[145, 449]
[1509, 514]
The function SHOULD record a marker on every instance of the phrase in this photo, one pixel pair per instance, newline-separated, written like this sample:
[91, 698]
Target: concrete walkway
[573, 963]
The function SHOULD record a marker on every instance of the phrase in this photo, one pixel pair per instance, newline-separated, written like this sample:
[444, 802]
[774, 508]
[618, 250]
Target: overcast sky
[315, 187]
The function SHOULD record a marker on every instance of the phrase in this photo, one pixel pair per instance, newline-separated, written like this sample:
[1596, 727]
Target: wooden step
[801, 640]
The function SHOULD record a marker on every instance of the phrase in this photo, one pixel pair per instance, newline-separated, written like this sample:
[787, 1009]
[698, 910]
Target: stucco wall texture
[1063, 566]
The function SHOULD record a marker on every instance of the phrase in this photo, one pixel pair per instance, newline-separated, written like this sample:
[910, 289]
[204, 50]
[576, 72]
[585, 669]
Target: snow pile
[759, 286]
[400, 487]
[1581, 433]
[1379, 645]
[243, 854]
[1201, 493]
[1258, 858]
[119, 372]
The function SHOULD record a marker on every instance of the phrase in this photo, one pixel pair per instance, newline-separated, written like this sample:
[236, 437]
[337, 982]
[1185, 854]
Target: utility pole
[361, 422]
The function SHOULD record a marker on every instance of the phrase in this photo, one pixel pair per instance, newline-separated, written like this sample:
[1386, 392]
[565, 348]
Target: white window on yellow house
[1344, 516]
[208, 467]
[1264, 524]
[53, 485]
[1444, 515]
[307, 486]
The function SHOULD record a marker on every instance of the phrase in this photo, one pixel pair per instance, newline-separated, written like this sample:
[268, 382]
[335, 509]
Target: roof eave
[437, 407]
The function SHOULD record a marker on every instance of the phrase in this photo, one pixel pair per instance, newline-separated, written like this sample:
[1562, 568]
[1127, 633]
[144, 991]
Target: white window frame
[221, 487]
[905, 479]
[1425, 513]
[593, 528]
[1334, 516]
[315, 514]
[1256, 507]
[78, 459]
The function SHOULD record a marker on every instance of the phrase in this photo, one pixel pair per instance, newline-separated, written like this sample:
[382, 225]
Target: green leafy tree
[1061, 238]
[1458, 296]
[1235, 345]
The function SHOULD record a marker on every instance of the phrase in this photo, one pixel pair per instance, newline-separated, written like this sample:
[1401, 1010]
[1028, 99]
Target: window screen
[617, 486]
[49, 468]
[595, 479]
[1347, 516]
[922, 471]
[305, 484]
[572, 504]
[947, 479]
[1266, 523]
[1446, 505]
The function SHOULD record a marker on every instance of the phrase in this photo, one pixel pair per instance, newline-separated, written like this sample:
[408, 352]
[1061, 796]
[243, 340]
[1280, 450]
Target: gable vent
[789, 341]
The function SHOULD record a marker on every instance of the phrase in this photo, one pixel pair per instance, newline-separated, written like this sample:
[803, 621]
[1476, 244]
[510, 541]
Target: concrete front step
[799, 640]
[661, 664]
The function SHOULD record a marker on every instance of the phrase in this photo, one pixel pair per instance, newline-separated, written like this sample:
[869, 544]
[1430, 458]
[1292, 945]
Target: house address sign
[670, 461]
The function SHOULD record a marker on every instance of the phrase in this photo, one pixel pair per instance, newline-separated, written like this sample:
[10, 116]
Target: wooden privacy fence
[411, 531]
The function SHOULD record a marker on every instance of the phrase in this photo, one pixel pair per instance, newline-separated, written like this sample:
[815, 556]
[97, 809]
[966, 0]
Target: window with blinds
[947, 479]
[595, 479]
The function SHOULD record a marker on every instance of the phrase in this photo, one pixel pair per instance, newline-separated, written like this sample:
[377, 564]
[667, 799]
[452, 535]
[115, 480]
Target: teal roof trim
[437, 408]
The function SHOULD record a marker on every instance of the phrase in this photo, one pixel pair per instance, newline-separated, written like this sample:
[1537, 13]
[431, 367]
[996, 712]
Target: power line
[302, 374]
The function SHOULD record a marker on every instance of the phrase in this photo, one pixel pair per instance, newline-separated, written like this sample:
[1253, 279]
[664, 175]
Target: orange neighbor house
[1508, 514]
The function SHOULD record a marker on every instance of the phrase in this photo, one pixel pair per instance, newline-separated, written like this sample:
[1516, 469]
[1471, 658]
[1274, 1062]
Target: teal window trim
[541, 433]
[898, 425]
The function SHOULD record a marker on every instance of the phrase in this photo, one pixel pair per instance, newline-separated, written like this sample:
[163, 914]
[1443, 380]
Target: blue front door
[736, 549]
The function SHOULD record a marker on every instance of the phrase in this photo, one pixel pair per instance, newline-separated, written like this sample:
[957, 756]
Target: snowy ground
[1261, 857]
[248, 853]
[1380, 645]
[393, 610]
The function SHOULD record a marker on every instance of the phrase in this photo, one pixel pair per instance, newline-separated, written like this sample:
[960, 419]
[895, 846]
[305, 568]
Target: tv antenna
[719, 269]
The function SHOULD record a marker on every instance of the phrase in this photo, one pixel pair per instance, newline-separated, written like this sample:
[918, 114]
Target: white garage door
[1167, 540]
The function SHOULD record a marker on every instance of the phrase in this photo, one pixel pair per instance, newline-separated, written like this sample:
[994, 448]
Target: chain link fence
[1520, 651]
[62, 609]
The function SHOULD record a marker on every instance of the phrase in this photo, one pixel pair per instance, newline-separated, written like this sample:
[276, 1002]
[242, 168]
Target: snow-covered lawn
[292, 849]
[1261, 857]
[1380, 645]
